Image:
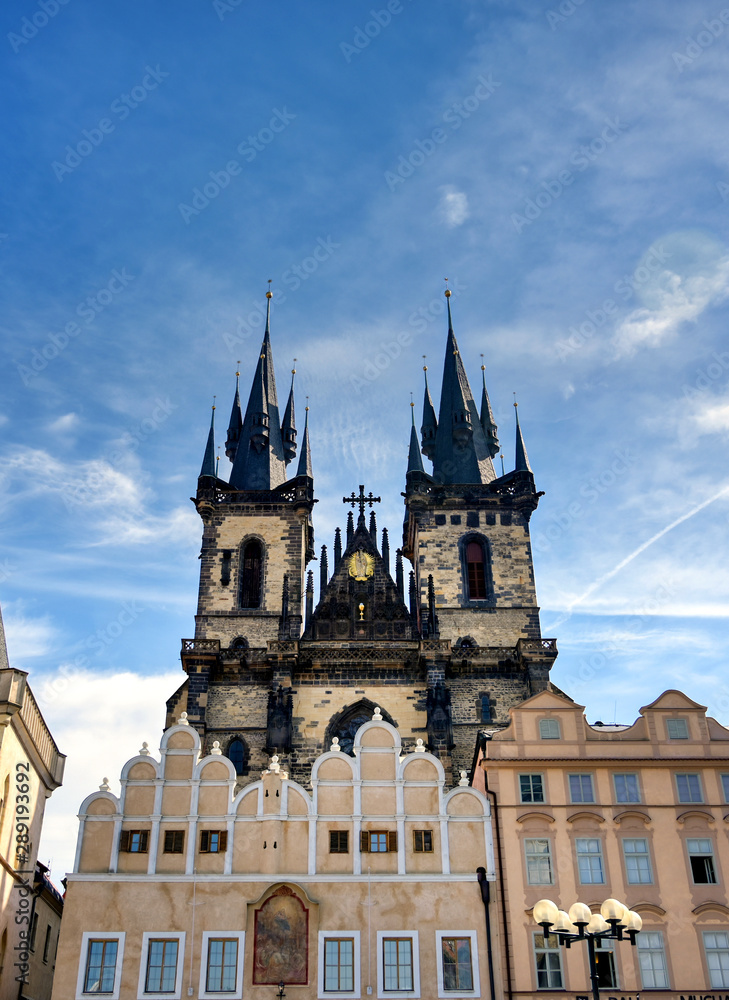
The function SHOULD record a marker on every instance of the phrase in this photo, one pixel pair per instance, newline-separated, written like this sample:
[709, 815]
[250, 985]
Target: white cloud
[712, 418]
[67, 422]
[27, 637]
[453, 206]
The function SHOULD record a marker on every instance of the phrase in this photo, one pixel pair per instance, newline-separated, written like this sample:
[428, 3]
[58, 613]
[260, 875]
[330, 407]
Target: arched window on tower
[251, 574]
[476, 571]
[237, 755]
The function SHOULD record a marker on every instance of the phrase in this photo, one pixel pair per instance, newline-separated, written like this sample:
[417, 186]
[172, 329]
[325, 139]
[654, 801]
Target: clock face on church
[361, 565]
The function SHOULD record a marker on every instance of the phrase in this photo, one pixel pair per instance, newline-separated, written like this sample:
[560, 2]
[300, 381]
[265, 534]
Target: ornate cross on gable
[361, 500]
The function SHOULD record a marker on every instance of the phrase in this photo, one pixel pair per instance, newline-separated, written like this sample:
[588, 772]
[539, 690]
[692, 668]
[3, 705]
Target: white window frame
[716, 950]
[684, 731]
[637, 854]
[698, 853]
[237, 993]
[119, 937]
[540, 945]
[443, 993]
[626, 774]
[381, 991]
[687, 775]
[531, 775]
[600, 853]
[148, 936]
[643, 947]
[332, 935]
[547, 855]
[724, 779]
[581, 775]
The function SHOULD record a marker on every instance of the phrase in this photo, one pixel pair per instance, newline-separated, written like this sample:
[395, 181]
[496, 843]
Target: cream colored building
[365, 886]
[31, 768]
[639, 813]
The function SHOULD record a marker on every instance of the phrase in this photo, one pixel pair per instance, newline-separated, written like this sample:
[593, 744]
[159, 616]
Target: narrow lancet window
[250, 588]
[476, 572]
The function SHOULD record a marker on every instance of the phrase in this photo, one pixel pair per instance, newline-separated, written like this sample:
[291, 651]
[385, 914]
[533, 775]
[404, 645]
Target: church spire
[208, 465]
[461, 452]
[236, 422]
[415, 461]
[288, 427]
[522, 459]
[304, 468]
[259, 458]
[487, 417]
[430, 424]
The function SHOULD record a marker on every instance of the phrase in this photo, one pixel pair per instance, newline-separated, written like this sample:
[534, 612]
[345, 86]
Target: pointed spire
[415, 460]
[309, 596]
[386, 549]
[429, 427]
[350, 526]
[432, 617]
[288, 427]
[487, 416]
[235, 425]
[323, 571]
[461, 452]
[373, 527]
[208, 465]
[522, 459]
[337, 548]
[399, 583]
[284, 619]
[304, 468]
[258, 409]
[413, 597]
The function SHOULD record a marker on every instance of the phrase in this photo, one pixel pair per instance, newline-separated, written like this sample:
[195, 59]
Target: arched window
[251, 574]
[237, 755]
[476, 571]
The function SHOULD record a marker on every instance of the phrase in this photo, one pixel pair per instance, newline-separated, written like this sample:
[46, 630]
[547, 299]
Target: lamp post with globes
[614, 922]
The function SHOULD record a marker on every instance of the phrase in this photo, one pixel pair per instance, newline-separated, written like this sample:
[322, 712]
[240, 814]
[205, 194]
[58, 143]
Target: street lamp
[612, 923]
[280, 995]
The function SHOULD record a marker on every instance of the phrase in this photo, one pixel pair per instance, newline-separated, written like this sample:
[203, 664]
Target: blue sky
[564, 164]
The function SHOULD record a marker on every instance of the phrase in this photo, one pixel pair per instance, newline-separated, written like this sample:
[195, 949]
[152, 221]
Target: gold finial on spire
[425, 367]
[447, 291]
[411, 400]
[214, 398]
[483, 366]
[307, 404]
[269, 293]
[293, 370]
[515, 402]
[237, 365]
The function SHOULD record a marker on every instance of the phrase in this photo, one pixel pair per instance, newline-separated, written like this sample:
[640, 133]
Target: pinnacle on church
[487, 417]
[522, 459]
[288, 427]
[415, 461]
[462, 453]
[304, 468]
[235, 425]
[429, 426]
[208, 465]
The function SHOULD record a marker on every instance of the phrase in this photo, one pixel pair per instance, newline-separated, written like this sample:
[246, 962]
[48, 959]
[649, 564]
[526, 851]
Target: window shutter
[223, 842]
[392, 840]
[124, 843]
[143, 838]
[364, 840]
[204, 841]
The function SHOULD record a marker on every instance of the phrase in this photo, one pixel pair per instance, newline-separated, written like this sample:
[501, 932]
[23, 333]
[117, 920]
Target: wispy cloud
[453, 206]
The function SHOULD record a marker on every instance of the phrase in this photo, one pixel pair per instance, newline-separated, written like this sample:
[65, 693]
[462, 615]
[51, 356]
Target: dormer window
[677, 729]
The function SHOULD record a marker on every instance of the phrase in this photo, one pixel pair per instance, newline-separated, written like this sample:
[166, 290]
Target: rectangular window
[531, 787]
[701, 858]
[689, 788]
[422, 841]
[716, 948]
[549, 729]
[677, 729]
[100, 966]
[134, 841]
[339, 841]
[222, 967]
[47, 943]
[339, 965]
[33, 932]
[397, 964]
[589, 860]
[626, 788]
[213, 841]
[161, 965]
[549, 962]
[174, 841]
[637, 861]
[652, 958]
[378, 841]
[607, 976]
[457, 966]
[725, 786]
[581, 788]
[538, 861]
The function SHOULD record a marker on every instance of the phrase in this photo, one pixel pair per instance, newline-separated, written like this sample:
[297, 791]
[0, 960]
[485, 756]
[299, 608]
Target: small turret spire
[429, 426]
[415, 460]
[385, 549]
[337, 548]
[288, 427]
[350, 526]
[236, 421]
[304, 468]
[487, 416]
[208, 465]
[399, 575]
[522, 459]
[323, 571]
